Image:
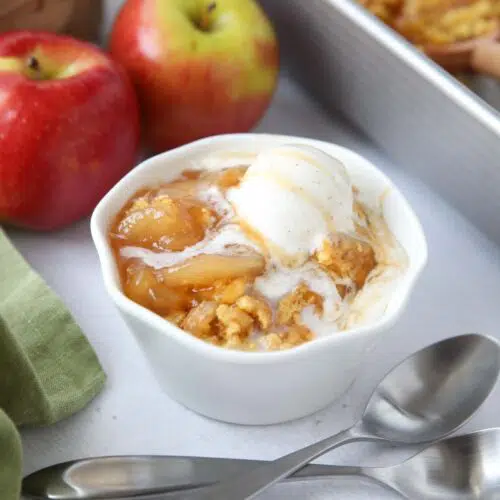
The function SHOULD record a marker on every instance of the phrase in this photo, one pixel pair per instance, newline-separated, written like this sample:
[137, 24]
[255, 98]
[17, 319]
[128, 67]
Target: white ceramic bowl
[249, 387]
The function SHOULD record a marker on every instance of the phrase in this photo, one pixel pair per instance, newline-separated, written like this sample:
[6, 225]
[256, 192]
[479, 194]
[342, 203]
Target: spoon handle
[137, 477]
[486, 58]
[249, 484]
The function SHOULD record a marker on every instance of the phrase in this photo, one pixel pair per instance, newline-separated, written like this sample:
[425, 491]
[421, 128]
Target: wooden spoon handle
[486, 58]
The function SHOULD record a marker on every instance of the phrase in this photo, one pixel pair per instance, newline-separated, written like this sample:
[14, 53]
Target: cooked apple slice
[181, 189]
[143, 286]
[204, 270]
[163, 222]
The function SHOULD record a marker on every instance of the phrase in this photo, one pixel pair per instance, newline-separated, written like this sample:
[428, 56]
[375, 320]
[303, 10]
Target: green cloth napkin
[48, 370]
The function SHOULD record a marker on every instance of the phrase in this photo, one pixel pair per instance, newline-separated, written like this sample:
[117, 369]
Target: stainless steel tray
[424, 119]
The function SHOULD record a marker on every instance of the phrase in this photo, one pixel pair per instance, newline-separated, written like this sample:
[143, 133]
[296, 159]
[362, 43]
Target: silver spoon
[426, 397]
[458, 468]
[141, 476]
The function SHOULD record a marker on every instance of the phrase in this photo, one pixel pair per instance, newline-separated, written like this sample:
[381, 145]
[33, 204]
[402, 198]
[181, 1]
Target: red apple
[200, 67]
[69, 128]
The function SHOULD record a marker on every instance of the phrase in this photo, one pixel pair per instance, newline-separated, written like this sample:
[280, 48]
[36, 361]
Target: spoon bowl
[433, 392]
[458, 468]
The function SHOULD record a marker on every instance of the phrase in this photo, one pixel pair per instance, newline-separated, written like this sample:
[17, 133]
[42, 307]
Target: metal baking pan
[422, 117]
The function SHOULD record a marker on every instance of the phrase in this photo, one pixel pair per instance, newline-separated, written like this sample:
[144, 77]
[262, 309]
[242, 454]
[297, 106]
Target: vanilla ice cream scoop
[293, 197]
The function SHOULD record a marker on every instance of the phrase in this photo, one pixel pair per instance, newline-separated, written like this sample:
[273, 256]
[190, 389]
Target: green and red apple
[69, 128]
[200, 67]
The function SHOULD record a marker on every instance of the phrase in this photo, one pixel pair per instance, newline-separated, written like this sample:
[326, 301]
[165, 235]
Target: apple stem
[33, 65]
[204, 23]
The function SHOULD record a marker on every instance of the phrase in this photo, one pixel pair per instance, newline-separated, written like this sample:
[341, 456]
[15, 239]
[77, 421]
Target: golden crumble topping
[233, 321]
[291, 305]
[386, 10]
[231, 325]
[349, 258]
[199, 319]
[258, 309]
[291, 336]
[438, 22]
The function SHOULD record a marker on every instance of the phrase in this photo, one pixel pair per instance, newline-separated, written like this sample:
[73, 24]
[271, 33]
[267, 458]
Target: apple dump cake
[262, 256]
[438, 22]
